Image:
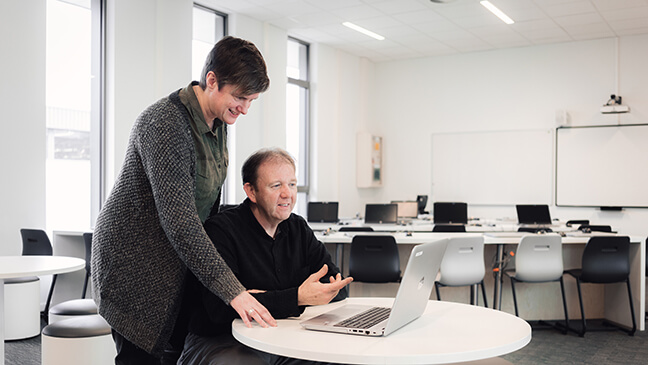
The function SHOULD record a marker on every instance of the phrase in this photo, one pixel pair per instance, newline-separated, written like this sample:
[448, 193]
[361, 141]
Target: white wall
[22, 101]
[513, 89]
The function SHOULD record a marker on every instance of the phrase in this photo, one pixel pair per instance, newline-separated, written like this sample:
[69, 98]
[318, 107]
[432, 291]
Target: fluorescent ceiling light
[500, 14]
[363, 31]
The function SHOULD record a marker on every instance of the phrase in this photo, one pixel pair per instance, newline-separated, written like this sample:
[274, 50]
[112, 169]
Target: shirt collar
[255, 223]
[188, 98]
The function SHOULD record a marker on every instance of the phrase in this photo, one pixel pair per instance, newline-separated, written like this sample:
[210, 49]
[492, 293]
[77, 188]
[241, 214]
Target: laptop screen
[451, 212]
[533, 214]
[325, 212]
[381, 213]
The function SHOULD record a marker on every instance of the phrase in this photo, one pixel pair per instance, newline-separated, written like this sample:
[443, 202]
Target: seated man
[269, 249]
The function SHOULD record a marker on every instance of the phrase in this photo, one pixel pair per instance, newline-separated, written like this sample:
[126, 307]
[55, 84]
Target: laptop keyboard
[366, 319]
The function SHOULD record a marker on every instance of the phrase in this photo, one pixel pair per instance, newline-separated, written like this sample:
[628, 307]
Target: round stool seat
[78, 341]
[85, 326]
[21, 280]
[71, 309]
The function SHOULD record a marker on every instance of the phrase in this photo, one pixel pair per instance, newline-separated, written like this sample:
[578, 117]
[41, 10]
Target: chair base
[558, 325]
[595, 325]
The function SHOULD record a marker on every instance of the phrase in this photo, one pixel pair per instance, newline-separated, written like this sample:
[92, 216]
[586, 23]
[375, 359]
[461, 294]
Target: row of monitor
[443, 213]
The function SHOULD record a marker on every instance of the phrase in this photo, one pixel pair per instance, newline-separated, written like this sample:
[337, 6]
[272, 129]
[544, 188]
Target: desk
[614, 309]
[18, 266]
[446, 333]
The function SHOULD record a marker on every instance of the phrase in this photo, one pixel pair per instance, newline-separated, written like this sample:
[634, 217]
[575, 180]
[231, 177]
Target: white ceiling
[422, 28]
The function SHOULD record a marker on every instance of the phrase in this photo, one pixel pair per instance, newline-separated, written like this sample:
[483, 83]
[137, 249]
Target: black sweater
[278, 266]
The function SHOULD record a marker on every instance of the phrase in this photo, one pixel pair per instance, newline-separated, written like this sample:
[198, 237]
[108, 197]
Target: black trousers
[225, 350]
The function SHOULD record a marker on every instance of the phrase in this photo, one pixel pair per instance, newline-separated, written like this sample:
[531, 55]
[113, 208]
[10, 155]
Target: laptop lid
[410, 302]
[381, 213]
[406, 209]
[324, 212]
[533, 214]
[450, 212]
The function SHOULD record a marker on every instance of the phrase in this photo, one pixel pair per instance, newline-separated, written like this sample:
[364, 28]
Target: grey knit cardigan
[148, 232]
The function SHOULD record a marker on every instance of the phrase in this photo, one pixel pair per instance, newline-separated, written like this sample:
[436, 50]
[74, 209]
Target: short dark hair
[239, 63]
[250, 170]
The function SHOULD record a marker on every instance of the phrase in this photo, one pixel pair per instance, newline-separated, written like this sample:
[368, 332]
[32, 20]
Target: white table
[446, 333]
[18, 266]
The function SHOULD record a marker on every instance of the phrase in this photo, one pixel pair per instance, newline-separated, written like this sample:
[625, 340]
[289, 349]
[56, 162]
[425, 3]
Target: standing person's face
[226, 104]
[275, 193]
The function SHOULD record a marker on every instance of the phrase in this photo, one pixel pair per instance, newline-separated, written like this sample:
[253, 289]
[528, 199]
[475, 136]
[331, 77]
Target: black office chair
[535, 229]
[87, 240]
[374, 259]
[594, 228]
[449, 228]
[355, 229]
[36, 242]
[605, 260]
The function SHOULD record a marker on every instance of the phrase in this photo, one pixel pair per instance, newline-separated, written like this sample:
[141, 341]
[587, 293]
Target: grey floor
[546, 347]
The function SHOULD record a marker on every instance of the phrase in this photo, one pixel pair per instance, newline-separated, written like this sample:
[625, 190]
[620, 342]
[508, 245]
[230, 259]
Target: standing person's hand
[248, 308]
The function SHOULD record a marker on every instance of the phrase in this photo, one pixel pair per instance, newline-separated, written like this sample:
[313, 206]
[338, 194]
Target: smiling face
[225, 103]
[274, 195]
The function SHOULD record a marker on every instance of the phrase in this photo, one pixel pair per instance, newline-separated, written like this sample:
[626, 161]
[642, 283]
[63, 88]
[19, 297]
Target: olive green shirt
[211, 153]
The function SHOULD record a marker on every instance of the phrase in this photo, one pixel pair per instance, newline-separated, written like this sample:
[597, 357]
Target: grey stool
[22, 307]
[78, 341]
[72, 309]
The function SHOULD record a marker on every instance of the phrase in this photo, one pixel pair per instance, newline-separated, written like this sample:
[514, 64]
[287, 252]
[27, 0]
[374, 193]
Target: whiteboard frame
[556, 172]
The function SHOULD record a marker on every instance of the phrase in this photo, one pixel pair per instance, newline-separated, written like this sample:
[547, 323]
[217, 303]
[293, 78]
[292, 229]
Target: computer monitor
[381, 213]
[450, 212]
[406, 209]
[324, 212]
[533, 214]
[422, 202]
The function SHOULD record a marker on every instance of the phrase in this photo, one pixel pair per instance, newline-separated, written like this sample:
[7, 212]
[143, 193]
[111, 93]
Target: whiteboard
[602, 166]
[493, 167]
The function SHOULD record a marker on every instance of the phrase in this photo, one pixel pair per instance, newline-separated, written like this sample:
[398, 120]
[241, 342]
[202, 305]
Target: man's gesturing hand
[313, 292]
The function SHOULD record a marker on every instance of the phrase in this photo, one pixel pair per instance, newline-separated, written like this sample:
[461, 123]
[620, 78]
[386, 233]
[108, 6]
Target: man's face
[275, 193]
[226, 104]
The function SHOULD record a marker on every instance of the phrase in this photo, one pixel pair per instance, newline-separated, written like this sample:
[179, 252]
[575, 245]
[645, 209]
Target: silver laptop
[411, 299]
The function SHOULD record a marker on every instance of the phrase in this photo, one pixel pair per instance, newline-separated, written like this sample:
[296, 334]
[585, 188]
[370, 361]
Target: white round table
[446, 333]
[17, 266]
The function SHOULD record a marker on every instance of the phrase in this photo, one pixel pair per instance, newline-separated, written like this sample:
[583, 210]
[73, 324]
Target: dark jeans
[225, 350]
[129, 354]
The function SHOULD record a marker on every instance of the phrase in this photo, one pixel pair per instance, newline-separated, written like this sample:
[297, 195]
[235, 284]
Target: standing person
[269, 250]
[149, 237]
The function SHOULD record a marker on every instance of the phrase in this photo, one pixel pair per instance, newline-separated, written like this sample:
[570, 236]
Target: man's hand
[248, 308]
[312, 292]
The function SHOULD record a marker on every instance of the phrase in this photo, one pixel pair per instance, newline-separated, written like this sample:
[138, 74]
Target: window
[297, 116]
[73, 113]
[209, 26]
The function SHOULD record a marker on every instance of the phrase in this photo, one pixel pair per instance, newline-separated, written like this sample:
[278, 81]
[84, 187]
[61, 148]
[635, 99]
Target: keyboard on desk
[366, 319]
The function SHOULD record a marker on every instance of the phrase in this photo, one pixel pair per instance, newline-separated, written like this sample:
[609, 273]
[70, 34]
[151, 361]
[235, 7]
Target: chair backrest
[355, 229]
[535, 229]
[35, 242]
[577, 222]
[463, 261]
[449, 228]
[539, 258]
[374, 259]
[87, 240]
[606, 259]
[595, 228]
